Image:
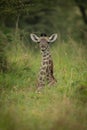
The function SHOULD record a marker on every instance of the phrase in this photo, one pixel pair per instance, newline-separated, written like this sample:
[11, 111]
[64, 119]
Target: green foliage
[38, 16]
[3, 59]
[13, 6]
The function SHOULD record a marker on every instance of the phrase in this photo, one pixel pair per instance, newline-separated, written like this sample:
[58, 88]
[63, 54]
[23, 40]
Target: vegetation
[64, 106]
[60, 107]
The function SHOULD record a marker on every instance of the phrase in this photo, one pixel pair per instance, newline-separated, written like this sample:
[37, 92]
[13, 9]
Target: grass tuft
[62, 107]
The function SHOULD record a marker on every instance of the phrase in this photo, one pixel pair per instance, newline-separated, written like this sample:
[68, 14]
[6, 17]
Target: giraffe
[46, 69]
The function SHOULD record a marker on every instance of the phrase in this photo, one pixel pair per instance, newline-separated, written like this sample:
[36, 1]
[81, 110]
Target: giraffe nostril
[42, 46]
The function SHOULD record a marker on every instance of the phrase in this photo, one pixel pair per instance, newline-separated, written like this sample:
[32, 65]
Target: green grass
[62, 107]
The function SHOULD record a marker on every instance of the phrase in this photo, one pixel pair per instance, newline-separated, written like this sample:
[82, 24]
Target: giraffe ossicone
[46, 69]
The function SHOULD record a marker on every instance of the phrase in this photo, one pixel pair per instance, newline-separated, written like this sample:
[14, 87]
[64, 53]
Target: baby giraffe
[46, 69]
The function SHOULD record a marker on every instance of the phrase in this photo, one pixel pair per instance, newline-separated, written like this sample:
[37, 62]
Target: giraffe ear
[53, 37]
[34, 37]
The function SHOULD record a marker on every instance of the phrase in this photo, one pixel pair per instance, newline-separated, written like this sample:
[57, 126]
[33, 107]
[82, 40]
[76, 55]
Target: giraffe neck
[44, 64]
[46, 55]
[46, 69]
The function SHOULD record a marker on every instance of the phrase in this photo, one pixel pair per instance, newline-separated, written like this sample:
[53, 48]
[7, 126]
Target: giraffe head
[43, 40]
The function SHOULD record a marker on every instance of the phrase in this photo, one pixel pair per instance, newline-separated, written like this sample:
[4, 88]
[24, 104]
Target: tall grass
[63, 107]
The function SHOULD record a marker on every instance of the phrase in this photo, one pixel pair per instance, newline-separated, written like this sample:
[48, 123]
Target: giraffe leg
[50, 77]
[52, 82]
